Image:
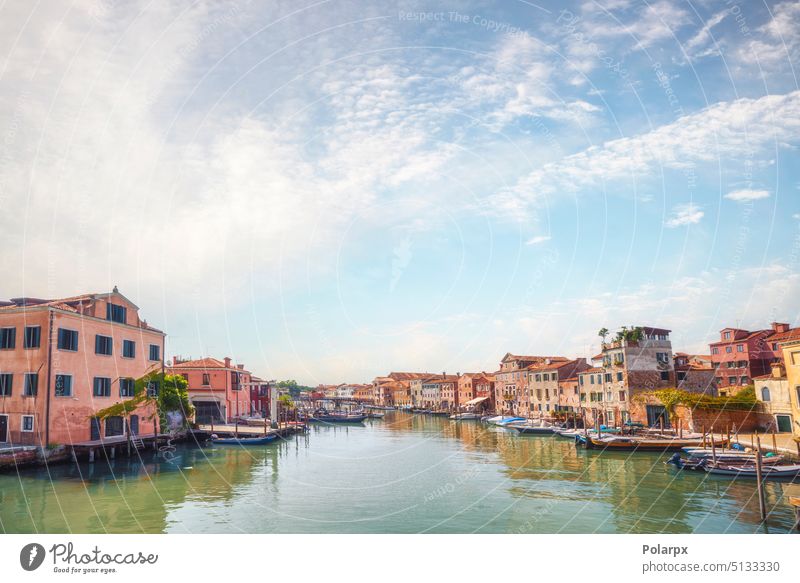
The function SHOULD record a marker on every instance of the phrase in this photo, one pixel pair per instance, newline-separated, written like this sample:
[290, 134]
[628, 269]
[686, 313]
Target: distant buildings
[63, 360]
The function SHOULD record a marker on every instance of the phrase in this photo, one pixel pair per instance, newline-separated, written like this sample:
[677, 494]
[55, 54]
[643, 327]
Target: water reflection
[406, 473]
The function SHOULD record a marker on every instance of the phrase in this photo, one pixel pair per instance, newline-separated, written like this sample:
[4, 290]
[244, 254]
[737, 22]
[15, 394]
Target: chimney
[240, 366]
[777, 370]
[227, 362]
[779, 327]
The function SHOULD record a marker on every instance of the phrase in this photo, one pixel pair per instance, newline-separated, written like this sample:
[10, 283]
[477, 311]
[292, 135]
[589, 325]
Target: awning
[476, 401]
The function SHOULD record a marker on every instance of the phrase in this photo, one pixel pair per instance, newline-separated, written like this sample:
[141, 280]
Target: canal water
[404, 474]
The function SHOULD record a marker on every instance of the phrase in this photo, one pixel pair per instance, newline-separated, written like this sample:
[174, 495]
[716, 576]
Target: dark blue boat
[245, 440]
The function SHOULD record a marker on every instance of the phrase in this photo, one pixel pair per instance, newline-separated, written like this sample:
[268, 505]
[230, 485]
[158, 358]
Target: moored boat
[533, 429]
[338, 417]
[631, 443]
[262, 440]
[465, 417]
[768, 472]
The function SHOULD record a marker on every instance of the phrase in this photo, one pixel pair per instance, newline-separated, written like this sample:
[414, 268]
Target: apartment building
[63, 360]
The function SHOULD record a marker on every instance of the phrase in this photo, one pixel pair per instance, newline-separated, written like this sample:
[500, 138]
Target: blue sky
[331, 190]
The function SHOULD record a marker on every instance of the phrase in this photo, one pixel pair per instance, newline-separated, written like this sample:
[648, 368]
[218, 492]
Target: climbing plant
[172, 395]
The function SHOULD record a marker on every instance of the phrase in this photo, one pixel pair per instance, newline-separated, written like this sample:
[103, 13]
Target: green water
[403, 474]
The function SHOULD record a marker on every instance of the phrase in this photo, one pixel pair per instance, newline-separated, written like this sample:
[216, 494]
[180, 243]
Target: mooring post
[762, 506]
[91, 455]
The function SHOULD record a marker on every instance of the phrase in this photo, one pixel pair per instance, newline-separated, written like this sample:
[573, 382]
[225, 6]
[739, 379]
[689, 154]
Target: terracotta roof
[510, 356]
[68, 304]
[750, 335]
[597, 356]
[592, 369]
[206, 362]
[790, 334]
[555, 362]
[766, 377]
[408, 376]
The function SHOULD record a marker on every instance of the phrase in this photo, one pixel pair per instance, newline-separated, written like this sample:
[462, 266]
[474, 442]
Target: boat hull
[244, 440]
[338, 419]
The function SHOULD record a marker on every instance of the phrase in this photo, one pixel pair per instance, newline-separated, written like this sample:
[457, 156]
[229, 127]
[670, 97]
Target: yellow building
[791, 357]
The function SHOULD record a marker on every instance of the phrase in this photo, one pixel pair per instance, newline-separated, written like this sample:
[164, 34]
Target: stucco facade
[70, 359]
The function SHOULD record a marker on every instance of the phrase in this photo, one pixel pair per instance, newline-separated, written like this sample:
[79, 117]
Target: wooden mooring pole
[762, 505]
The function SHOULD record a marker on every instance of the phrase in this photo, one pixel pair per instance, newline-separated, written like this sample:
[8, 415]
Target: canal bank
[403, 474]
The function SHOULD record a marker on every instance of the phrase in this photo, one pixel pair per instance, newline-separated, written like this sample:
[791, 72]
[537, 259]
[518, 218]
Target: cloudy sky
[327, 190]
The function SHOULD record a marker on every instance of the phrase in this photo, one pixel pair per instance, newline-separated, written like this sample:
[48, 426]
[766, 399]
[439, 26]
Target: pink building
[219, 390]
[63, 360]
[740, 355]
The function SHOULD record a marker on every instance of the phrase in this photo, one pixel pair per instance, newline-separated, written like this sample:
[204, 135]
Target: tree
[286, 402]
[603, 333]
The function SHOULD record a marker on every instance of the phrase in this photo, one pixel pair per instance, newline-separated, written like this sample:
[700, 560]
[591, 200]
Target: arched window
[764, 393]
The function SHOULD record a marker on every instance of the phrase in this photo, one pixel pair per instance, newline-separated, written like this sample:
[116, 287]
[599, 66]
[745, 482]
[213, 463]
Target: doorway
[655, 413]
[3, 428]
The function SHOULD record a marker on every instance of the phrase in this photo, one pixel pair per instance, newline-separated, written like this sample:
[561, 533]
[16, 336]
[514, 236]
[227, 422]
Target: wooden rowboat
[622, 443]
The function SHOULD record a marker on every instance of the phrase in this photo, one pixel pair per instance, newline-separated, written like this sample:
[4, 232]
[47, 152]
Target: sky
[331, 190]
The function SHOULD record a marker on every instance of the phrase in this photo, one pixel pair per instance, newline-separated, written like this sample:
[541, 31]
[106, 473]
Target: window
[731, 380]
[745, 380]
[681, 375]
[662, 357]
[116, 313]
[608, 395]
[155, 352]
[102, 387]
[795, 357]
[583, 397]
[6, 382]
[67, 339]
[622, 395]
[206, 379]
[580, 380]
[554, 376]
[664, 375]
[765, 394]
[796, 390]
[128, 349]
[575, 390]
[27, 423]
[591, 379]
[538, 377]
[31, 386]
[8, 338]
[63, 385]
[152, 389]
[545, 377]
[740, 348]
[727, 335]
[619, 376]
[608, 377]
[126, 387]
[715, 350]
[728, 349]
[33, 336]
[103, 345]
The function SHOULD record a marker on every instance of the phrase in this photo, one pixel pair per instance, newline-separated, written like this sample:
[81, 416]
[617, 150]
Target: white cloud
[538, 239]
[684, 214]
[720, 133]
[746, 195]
